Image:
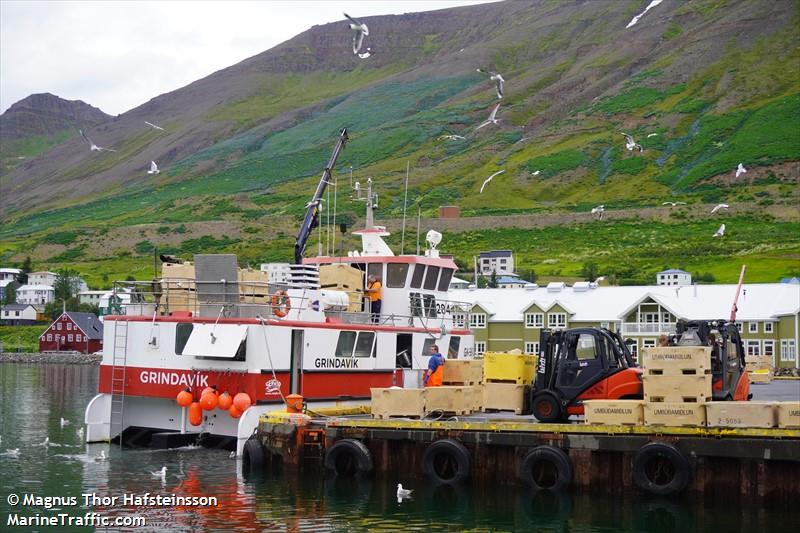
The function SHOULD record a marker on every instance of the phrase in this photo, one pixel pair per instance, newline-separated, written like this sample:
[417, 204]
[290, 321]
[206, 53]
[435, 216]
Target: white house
[278, 272]
[510, 282]
[42, 277]
[674, 276]
[35, 294]
[458, 283]
[499, 261]
[8, 274]
[91, 297]
[18, 313]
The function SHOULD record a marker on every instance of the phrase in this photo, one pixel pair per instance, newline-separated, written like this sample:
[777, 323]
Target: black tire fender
[447, 461]
[555, 413]
[660, 468]
[254, 457]
[348, 458]
[546, 468]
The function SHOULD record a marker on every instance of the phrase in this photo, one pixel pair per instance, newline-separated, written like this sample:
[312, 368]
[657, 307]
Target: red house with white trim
[73, 331]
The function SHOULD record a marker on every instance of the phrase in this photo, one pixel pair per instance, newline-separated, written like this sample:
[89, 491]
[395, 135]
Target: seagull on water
[154, 126]
[452, 137]
[673, 204]
[630, 144]
[599, 211]
[740, 170]
[490, 178]
[718, 207]
[359, 31]
[101, 457]
[92, 146]
[46, 442]
[80, 433]
[496, 78]
[161, 473]
[153, 168]
[492, 118]
[720, 232]
[232, 455]
[12, 452]
[64, 422]
[403, 493]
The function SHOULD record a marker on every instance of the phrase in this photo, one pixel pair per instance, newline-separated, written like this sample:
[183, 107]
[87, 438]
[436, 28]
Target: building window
[58, 337]
[739, 326]
[532, 348]
[49, 337]
[459, 319]
[58, 326]
[769, 348]
[16, 313]
[480, 348]
[788, 348]
[477, 320]
[753, 347]
[556, 320]
[604, 325]
[768, 327]
[752, 327]
[69, 337]
[648, 343]
[634, 351]
[534, 320]
[78, 337]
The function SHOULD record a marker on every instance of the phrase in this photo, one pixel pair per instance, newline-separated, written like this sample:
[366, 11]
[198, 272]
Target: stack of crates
[677, 385]
[505, 375]
[461, 390]
[759, 368]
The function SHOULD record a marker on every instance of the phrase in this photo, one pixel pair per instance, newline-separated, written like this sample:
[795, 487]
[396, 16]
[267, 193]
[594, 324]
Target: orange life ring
[281, 304]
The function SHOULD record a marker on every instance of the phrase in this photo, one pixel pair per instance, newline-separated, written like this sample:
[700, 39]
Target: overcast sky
[118, 55]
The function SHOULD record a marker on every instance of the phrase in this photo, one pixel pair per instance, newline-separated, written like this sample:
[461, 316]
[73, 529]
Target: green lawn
[21, 338]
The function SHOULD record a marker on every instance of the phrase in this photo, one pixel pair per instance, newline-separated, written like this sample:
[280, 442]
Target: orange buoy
[208, 401]
[234, 412]
[212, 388]
[294, 403]
[242, 401]
[184, 398]
[225, 401]
[195, 414]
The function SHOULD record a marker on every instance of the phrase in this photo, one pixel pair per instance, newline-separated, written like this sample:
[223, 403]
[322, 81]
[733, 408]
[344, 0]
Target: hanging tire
[546, 468]
[254, 458]
[546, 408]
[348, 458]
[447, 461]
[660, 468]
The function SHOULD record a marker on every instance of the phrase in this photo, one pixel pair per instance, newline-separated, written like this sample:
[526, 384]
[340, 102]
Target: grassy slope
[21, 338]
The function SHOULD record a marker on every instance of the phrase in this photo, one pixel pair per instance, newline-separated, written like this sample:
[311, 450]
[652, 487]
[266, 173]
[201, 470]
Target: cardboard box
[677, 360]
[504, 397]
[388, 403]
[507, 367]
[677, 388]
[628, 412]
[788, 415]
[675, 414]
[741, 414]
[463, 371]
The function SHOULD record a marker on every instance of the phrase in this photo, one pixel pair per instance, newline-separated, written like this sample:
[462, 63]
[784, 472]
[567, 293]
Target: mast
[311, 220]
[734, 307]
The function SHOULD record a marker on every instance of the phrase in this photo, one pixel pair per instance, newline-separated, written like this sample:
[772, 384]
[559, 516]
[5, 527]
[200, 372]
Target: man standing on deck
[435, 371]
[373, 292]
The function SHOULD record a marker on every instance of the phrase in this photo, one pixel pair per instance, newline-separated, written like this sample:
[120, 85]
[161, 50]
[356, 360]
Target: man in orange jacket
[435, 371]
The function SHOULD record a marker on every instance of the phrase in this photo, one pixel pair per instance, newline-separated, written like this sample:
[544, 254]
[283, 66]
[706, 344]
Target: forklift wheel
[546, 408]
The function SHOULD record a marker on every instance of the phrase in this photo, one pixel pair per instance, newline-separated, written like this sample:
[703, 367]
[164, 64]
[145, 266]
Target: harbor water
[90, 488]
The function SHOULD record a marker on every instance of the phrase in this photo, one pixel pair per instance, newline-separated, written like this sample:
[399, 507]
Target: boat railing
[252, 299]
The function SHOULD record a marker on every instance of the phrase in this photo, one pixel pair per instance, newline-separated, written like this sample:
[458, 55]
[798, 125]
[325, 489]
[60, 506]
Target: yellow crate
[513, 368]
[741, 414]
[788, 415]
[680, 388]
[388, 403]
[760, 376]
[675, 414]
[628, 412]
[504, 397]
[457, 400]
[463, 371]
[676, 360]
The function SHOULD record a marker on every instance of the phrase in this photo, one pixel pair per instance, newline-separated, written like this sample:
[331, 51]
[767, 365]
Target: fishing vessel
[211, 326]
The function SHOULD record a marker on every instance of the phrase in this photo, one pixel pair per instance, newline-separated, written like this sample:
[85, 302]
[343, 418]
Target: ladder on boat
[118, 367]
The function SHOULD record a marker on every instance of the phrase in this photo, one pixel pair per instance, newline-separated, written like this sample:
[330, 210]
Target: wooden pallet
[675, 360]
[626, 412]
[503, 397]
[677, 388]
[788, 415]
[675, 414]
[741, 414]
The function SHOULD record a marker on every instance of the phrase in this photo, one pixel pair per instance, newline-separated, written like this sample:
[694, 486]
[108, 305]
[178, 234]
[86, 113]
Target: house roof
[673, 271]
[10, 270]
[16, 307]
[35, 287]
[761, 301]
[88, 322]
[511, 279]
[43, 272]
[495, 253]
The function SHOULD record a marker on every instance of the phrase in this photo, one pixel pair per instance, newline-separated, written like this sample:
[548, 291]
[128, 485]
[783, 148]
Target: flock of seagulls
[719, 233]
[154, 171]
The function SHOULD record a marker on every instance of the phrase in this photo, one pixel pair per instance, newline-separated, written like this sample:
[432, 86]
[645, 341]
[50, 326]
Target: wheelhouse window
[416, 278]
[452, 349]
[356, 344]
[182, 333]
[396, 274]
[344, 347]
[444, 279]
[431, 278]
[376, 269]
[426, 347]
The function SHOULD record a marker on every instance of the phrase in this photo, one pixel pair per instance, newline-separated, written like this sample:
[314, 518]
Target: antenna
[405, 201]
[418, 216]
[333, 230]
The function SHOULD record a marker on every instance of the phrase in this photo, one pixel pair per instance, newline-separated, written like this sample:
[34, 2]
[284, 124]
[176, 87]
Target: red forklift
[581, 364]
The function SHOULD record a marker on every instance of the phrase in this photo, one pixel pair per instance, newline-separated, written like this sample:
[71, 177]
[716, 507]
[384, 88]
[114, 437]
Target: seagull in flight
[536, 173]
[92, 146]
[720, 232]
[403, 493]
[740, 170]
[651, 135]
[452, 137]
[599, 211]
[673, 204]
[153, 168]
[496, 78]
[630, 144]
[359, 31]
[718, 207]
[154, 126]
[491, 119]
[490, 178]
